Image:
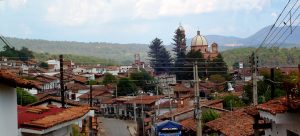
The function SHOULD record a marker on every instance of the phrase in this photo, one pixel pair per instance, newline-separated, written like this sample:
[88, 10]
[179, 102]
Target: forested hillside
[113, 53]
[267, 56]
[120, 53]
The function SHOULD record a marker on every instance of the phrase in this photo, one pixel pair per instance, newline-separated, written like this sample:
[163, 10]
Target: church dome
[199, 40]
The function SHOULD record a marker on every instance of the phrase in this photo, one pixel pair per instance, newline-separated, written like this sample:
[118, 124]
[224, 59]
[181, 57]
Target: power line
[262, 43]
[4, 41]
[283, 20]
[289, 33]
[284, 31]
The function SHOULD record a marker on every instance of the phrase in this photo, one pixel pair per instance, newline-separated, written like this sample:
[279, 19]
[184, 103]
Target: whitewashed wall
[8, 112]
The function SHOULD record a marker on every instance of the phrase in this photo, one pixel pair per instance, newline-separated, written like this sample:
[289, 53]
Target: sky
[133, 21]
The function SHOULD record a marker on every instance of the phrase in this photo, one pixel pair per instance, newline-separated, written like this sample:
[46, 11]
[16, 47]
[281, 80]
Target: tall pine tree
[160, 58]
[180, 53]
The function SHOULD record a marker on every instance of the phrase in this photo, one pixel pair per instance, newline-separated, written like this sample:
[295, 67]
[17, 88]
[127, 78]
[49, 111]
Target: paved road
[115, 127]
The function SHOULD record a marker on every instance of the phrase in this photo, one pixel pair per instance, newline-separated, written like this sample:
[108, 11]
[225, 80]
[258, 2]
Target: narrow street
[115, 127]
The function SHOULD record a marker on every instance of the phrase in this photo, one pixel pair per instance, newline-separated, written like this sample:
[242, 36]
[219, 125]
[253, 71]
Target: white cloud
[274, 14]
[155, 8]
[79, 12]
[2, 3]
[16, 4]
[223, 30]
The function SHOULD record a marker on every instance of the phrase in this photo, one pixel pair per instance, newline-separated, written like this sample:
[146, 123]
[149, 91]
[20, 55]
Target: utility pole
[169, 94]
[197, 104]
[157, 113]
[134, 111]
[91, 106]
[62, 88]
[254, 77]
[253, 62]
[143, 119]
[117, 109]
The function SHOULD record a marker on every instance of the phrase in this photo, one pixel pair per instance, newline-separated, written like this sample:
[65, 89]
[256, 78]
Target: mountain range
[124, 53]
[255, 39]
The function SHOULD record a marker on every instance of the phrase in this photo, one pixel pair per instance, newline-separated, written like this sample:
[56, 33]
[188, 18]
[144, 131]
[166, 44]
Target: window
[291, 133]
[73, 96]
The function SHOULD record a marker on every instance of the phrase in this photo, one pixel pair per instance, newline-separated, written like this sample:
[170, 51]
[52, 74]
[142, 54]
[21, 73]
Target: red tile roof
[189, 124]
[80, 79]
[176, 112]
[235, 123]
[74, 87]
[24, 116]
[144, 99]
[188, 108]
[109, 101]
[42, 95]
[223, 94]
[95, 94]
[11, 79]
[294, 104]
[253, 111]
[182, 88]
[49, 118]
[278, 105]
[166, 104]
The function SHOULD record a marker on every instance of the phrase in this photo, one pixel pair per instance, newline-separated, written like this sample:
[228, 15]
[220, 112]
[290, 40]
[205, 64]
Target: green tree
[93, 82]
[236, 65]
[25, 54]
[209, 115]
[280, 56]
[188, 68]
[160, 57]
[126, 87]
[24, 97]
[232, 101]
[10, 52]
[143, 80]
[180, 53]
[264, 86]
[109, 79]
[217, 66]
[43, 65]
[179, 43]
[217, 78]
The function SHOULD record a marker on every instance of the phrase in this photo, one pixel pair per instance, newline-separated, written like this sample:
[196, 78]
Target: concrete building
[54, 63]
[8, 101]
[47, 121]
[283, 116]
